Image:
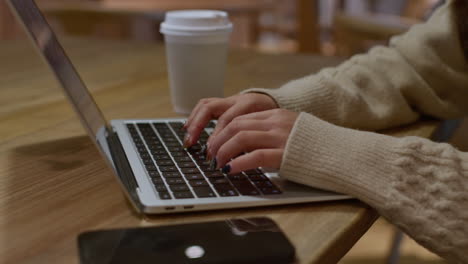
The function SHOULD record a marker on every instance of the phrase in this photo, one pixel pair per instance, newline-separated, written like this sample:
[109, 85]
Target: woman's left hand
[263, 135]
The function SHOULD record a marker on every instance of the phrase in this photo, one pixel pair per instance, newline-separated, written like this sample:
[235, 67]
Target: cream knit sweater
[419, 185]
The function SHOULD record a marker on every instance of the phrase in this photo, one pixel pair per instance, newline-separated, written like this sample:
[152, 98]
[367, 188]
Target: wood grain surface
[54, 185]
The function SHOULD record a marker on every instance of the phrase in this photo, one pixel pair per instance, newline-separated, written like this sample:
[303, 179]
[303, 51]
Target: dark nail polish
[213, 164]
[226, 169]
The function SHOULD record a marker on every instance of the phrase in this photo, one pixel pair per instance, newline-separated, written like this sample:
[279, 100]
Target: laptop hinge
[124, 171]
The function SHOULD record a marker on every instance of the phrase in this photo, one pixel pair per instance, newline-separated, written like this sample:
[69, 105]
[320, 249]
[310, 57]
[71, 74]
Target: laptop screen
[45, 40]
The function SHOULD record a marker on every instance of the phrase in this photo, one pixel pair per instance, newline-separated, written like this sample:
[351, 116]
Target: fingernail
[213, 164]
[184, 127]
[226, 169]
[187, 140]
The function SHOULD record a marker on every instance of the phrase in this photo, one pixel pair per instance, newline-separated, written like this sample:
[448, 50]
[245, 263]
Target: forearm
[421, 72]
[418, 185]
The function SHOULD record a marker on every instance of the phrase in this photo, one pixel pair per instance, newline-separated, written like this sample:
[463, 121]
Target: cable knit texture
[419, 185]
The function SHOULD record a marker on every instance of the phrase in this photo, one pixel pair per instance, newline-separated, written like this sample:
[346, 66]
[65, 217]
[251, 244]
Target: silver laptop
[156, 173]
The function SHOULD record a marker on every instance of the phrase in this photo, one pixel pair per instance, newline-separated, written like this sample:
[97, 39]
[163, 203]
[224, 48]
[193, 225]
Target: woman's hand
[225, 110]
[262, 134]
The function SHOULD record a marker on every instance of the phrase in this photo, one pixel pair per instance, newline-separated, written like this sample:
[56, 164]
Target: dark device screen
[246, 240]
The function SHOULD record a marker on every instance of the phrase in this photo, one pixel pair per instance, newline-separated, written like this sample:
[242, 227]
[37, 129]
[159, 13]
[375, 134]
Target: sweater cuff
[338, 159]
[317, 99]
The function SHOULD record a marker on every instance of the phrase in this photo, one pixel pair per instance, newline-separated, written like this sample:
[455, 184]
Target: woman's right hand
[225, 110]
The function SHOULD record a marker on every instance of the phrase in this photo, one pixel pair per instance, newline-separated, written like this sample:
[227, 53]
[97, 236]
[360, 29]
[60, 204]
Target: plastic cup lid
[189, 22]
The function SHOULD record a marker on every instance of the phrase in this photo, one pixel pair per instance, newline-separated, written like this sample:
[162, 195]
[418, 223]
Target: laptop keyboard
[179, 173]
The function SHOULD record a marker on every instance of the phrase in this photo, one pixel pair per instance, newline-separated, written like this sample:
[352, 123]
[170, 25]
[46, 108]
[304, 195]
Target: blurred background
[328, 27]
[320, 27]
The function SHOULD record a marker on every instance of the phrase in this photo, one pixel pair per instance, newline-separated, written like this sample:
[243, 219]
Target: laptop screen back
[45, 40]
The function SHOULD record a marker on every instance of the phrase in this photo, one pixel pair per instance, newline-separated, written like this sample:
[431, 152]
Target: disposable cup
[196, 51]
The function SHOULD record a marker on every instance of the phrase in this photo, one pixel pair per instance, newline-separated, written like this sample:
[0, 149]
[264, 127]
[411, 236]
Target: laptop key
[174, 181]
[156, 147]
[204, 192]
[179, 154]
[160, 187]
[261, 184]
[151, 167]
[161, 157]
[195, 148]
[182, 159]
[154, 174]
[270, 190]
[164, 163]
[139, 145]
[157, 180]
[175, 149]
[188, 164]
[258, 177]
[153, 144]
[214, 174]
[204, 163]
[171, 174]
[148, 162]
[168, 169]
[198, 183]
[219, 180]
[194, 176]
[164, 196]
[253, 172]
[179, 188]
[200, 157]
[145, 155]
[225, 190]
[237, 177]
[159, 152]
[142, 150]
[245, 188]
[173, 144]
[190, 170]
[183, 195]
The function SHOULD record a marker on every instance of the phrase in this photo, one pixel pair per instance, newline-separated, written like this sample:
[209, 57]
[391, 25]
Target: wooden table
[54, 184]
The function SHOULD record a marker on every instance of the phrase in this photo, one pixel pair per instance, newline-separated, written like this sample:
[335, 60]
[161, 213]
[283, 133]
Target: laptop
[155, 172]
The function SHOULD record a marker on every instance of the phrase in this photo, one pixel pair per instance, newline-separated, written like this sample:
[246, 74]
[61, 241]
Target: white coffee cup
[196, 50]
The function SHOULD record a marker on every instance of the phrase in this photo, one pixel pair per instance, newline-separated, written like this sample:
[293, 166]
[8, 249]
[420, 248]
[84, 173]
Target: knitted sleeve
[418, 185]
[423, 71]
